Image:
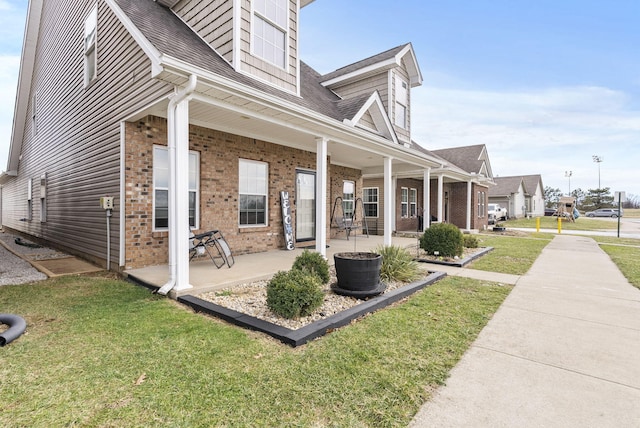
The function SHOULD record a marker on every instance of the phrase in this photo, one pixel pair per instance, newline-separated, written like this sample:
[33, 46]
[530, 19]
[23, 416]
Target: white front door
[305, 206]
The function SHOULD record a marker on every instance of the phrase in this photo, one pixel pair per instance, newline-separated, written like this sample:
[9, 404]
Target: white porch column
[440, 197]
[388, 204]
[426, 197]
[469, 199]
[180, 209]
[321, 196]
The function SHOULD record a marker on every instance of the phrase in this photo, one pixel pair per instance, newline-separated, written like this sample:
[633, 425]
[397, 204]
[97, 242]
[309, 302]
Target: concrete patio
[204, 276]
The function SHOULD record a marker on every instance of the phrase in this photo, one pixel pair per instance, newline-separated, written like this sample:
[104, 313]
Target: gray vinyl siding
[78, 140]
[212, 20]
[366, 86]
[285, 79]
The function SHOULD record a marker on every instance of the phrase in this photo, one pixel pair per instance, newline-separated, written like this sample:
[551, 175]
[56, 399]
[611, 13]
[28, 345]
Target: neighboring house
[457, 191]
[196, 115]
[522, 195]
[534, 195]
[509, 192]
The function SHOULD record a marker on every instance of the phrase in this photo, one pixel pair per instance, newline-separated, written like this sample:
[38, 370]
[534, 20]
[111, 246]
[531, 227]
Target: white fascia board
[413, 68]
[379, 116]
[146, 46]
[29, 45]
[390, 63]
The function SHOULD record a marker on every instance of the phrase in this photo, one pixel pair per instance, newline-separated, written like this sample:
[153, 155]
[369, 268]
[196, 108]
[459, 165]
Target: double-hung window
[253, 191]
[370, 201]
[348, 198]
[90, 54]
[482, 204]
[404, 202]
[402, 101]
[161, 188]
[413, 202]
[270, 24]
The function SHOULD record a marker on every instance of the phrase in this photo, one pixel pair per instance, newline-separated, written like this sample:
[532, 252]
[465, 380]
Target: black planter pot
[358, 274]
[499, 229]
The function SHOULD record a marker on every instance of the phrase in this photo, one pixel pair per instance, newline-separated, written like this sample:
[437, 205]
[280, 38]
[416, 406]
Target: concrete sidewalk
[562, 351]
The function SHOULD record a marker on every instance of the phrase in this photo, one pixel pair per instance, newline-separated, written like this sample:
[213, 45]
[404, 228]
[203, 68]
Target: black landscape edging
[457, 263]
[316, 329]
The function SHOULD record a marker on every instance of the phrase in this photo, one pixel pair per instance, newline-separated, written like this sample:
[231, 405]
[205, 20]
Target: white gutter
[171, 146]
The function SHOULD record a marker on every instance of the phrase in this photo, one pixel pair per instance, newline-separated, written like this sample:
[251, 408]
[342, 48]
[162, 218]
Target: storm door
[305, 206]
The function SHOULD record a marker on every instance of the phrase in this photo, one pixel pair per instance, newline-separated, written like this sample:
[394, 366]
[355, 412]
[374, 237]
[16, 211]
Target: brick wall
[219, 156]
[408, 223]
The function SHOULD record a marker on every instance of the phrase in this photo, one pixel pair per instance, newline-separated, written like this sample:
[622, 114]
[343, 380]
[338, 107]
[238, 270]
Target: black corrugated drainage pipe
[17, 326]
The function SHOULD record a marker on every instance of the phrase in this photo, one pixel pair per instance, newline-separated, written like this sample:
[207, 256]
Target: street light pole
[568, 174]
[598, 159]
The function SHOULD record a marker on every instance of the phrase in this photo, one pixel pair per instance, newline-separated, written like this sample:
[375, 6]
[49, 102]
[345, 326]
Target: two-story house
[192, 114]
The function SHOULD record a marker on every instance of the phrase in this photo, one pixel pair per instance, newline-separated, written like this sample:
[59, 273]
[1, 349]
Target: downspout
[176, 99]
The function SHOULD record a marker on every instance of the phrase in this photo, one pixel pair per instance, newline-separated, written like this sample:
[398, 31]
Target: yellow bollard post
[538, 224]
[559, 224]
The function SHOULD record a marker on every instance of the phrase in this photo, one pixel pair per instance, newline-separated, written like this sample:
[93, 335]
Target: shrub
[397, 264]
[313, 262]
[470, 241]
[444, 238]
[294, 294]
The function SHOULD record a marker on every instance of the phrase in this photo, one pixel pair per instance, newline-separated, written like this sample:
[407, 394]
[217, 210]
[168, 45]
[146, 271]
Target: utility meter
[106, 202]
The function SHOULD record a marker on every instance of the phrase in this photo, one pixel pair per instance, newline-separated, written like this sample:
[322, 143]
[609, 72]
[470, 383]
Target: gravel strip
[251, 299]
[13, 269]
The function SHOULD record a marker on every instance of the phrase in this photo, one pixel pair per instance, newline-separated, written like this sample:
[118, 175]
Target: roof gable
[473, 159]
[506, 186]
[532, 183]
[372, 111]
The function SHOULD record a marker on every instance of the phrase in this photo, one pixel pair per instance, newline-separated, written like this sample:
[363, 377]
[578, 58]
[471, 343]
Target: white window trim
[353, 201]
[413, 205]
[30, 199]
[92, 47]
[403, 203]
[266, 195]
[399, 81]
[254, 14]
[196, 190]
[377, 202]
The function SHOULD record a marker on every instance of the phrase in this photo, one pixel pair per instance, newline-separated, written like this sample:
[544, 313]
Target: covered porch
[204, 276]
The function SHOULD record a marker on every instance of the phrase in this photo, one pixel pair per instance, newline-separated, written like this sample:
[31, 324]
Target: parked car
[548, 212]
[496, 212]
[606, 212]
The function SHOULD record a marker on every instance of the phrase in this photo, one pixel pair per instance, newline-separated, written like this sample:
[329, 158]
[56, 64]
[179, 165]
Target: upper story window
[402, 102]
[161, 188]
[90, 55]
[270, 26]
[253, 192]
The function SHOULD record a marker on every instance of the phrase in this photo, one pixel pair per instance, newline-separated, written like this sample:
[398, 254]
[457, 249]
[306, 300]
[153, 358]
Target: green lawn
[625, 253]
[103, 352]
[511, 254]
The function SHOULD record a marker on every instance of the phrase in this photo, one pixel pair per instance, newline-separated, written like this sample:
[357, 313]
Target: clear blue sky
[545, 84]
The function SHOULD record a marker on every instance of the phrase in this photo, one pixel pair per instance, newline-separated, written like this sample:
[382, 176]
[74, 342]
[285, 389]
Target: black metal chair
[204, 243]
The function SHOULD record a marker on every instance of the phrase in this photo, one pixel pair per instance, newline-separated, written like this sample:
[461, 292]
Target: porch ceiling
[284, 128]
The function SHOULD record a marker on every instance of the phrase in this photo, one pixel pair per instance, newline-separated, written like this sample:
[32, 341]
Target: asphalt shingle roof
[467, 157]
[172, 37]
[375, 59]
[505, 186]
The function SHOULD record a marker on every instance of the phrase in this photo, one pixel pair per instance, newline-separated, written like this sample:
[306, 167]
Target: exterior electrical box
[106, 202]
